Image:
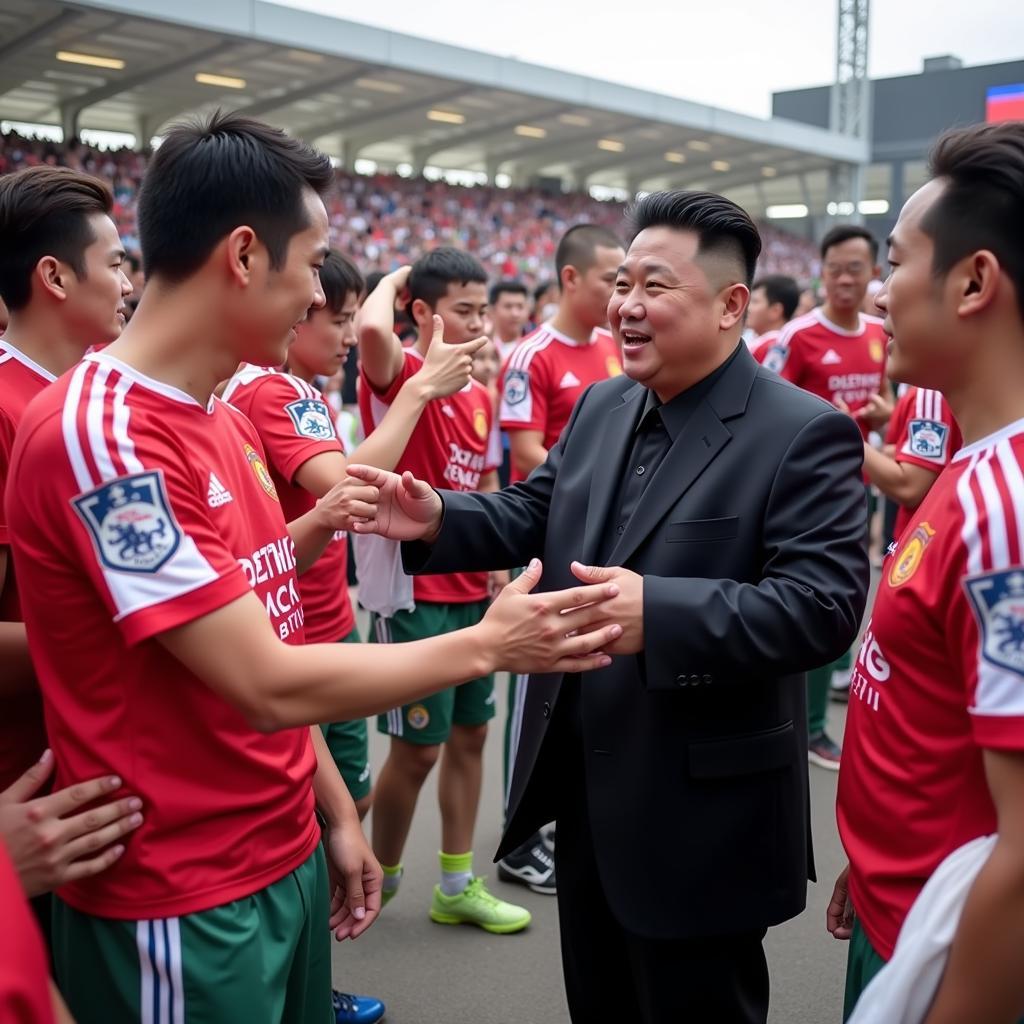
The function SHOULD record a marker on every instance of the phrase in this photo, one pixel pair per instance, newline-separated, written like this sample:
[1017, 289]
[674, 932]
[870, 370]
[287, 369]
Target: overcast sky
[728, 53]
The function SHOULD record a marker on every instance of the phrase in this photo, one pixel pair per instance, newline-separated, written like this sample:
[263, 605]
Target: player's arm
[527, 450]
[380, 351]
[983, 982]
[275, 685]
[903, 482]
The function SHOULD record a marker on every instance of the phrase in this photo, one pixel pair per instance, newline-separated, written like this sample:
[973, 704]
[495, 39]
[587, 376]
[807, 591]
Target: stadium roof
[363, 92]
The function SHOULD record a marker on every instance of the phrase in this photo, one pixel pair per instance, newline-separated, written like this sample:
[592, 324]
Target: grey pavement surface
[436, 974]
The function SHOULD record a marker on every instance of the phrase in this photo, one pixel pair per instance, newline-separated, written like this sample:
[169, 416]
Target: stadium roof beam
[39, 31]
[490, 130]
[305, 92]
[526, 160]
[72, 109]
[629, 159]
[313, 132]
[716, 181]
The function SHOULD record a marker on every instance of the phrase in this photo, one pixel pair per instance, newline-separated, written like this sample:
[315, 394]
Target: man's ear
[976, 279]
[422, 314]
[51, 276]
[239, 252]
[734, 298]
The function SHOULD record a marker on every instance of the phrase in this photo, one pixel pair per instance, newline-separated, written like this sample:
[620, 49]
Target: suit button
[680, 680]
[546, 710]
[706, 679]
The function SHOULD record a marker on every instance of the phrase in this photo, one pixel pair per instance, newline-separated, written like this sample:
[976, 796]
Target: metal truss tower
[850, 112]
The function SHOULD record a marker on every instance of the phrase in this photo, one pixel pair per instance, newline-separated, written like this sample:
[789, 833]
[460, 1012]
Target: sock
[392, 876]
[456, 872]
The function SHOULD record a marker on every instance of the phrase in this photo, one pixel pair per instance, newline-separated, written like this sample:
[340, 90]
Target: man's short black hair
[844, 233]
[782, 289]
[507, 287]
[982, 206]
[539, 291]
[722, 227]
[431, 274]
[45, 211]
[339, 278]
[210, 176]
[578, 247]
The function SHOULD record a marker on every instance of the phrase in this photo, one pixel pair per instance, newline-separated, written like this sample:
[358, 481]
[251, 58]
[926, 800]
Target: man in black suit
[727, 505]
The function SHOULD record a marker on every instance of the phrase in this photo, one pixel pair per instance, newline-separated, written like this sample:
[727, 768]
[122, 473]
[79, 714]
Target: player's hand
[346, 503]
[406, 508]
[839, 916]
[51, 839]
[627, 609]
[355, 880]
[554, 632]
[497, 581]
[877, 412]
[446, 368]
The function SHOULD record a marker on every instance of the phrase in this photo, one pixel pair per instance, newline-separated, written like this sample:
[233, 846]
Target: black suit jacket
[751, 540]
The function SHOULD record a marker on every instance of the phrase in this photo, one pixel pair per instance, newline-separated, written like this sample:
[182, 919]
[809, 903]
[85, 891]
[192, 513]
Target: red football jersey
[939, 679]
[448, 450]
[546, 374]
[924, 433]
[763, 345]
[22, 735]
[24, 971]
[830, 362]
[134, 510]
[295, 423]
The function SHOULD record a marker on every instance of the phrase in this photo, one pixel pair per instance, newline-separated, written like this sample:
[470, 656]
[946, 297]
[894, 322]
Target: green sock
[392, 876]
[456, 872]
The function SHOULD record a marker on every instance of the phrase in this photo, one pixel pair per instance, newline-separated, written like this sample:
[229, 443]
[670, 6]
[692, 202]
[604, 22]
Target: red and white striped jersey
[830, 362]
[939, 679]
[546, 374]
[924, 433]
[763, 345]
[134, 510]
[22, 735]
[295, 423]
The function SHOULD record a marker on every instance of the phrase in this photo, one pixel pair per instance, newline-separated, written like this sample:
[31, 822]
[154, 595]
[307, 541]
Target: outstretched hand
[552, 632]
[627, 609]
[405, 508]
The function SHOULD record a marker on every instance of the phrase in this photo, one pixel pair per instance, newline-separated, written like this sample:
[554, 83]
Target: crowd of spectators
[383, 221]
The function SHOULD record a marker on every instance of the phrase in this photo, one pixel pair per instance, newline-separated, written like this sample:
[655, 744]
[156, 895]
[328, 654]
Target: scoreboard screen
[1005, 103]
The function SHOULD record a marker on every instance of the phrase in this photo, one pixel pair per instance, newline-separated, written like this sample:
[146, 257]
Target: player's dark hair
[782, 289]
[538, 292]
[722, 227]
[433, 273]
[133, 262]
[507, 287]
[45, 211]
[210, 176]
[339, 278]
[845, 233]
[578, 247]
[982, 206]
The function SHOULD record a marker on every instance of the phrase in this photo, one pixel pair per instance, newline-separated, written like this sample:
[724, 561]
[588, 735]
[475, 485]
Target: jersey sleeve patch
[775, 358]
[311, 418]
[928, 439]
[130, 522]
[997, 599]
[517, 387]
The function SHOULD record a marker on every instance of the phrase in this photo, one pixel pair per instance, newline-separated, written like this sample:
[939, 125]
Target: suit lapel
[611, 451]
[703, 437]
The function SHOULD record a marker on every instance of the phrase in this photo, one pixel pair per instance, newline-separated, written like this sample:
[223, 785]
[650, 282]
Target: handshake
[571, 630]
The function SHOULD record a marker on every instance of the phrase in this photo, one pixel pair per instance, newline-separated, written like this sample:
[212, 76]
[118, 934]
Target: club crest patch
[909, 558]
[998, 602]
[480, 424]
[131, 523]
[927, 439]
[311, 418]
[613, 367]
[517, 386]
[259, 468]
[418, 716]
[775, 360]
[877, 351]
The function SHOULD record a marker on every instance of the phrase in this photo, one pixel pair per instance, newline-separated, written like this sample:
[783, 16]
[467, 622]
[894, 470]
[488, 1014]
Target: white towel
[903, 990]
[384, 587]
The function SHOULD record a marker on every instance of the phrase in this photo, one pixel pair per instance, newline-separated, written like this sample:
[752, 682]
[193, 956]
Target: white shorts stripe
[143, 936]
[174, 970]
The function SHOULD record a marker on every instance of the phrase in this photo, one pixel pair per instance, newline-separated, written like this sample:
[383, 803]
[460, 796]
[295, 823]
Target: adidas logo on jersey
[570, 380]
[217, 494]
[831, 357]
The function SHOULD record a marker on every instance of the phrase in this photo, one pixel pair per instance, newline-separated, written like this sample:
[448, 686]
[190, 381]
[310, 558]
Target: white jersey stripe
[999, 547]
[1015, 485]
[94, 412]
[122, 414]
[69, 427]
[523, 355]
[969, 530]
